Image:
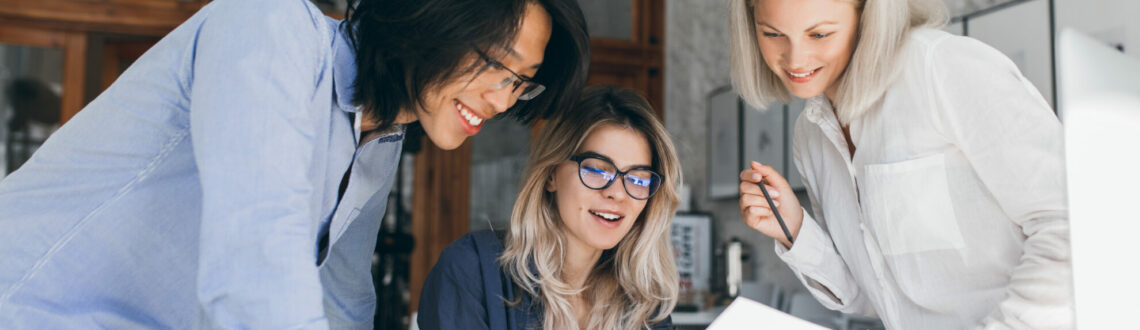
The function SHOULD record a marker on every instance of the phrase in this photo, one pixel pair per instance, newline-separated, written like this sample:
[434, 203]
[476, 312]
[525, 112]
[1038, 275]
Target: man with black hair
[235, 176]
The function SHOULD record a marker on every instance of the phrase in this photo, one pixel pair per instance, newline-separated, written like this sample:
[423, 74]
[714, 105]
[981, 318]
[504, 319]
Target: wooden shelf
[136, 17]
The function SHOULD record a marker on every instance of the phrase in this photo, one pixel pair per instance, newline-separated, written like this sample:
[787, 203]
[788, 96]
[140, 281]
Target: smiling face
[457, 109]
[598, 219]
[807, 43]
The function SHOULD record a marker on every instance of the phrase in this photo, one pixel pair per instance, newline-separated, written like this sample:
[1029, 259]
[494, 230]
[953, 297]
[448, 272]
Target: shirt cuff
[812, 257]
[807, 250]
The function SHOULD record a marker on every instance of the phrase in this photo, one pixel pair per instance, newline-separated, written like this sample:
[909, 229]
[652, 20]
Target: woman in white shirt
[934, 167]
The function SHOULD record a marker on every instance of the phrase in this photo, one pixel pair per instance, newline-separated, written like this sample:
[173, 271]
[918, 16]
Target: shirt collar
[818, 109]
[393, 134]
[344, 69]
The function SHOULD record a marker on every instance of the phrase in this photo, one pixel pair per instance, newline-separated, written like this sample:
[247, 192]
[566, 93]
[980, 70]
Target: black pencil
[772, 205]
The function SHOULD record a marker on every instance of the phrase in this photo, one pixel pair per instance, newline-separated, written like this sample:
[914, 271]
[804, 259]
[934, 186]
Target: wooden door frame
[67, 24]
[440, 208]
[74, 47]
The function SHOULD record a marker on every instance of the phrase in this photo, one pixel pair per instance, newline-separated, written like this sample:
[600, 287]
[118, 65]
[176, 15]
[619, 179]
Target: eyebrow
[517, 56]
[770, 27]
[608, 159]
[813, 27]
[821, 23]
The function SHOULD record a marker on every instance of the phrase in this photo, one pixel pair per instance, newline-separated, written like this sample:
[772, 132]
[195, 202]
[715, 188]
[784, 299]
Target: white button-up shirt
[952, 212]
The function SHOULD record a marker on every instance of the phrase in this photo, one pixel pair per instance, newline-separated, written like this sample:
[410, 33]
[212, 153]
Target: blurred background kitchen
[58, 55]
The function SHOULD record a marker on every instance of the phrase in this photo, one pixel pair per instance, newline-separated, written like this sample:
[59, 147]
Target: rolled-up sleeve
[255, 65]
[823, 272]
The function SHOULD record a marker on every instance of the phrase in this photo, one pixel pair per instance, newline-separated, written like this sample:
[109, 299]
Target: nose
[796, 56]
[501, 99]
[616, 190]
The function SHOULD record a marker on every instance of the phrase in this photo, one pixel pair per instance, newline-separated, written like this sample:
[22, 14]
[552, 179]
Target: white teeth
[607, 216]
[801, 75]
[472, 119]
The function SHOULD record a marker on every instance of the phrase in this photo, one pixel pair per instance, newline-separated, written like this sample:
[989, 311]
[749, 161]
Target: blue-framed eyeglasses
[597, 172]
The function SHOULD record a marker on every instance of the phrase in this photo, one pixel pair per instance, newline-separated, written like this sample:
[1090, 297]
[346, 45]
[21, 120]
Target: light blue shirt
[191, 194]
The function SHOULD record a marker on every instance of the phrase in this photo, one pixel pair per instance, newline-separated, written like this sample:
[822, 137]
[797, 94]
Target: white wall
[1021, 32]
[956, 28]
[696, 63]
[1112, 21]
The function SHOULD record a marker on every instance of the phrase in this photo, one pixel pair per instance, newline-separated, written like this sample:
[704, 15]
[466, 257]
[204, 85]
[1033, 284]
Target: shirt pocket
[912, 217]
[909, 206]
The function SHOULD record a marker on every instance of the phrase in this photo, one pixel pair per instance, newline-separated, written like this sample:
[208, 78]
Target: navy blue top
[466, 290]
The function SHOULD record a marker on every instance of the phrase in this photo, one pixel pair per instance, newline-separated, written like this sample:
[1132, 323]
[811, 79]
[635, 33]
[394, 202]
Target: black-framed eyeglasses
[597, 172]
[524, 89]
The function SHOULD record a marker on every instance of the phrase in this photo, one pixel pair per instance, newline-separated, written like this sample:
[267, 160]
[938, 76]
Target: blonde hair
[883, 29]
[633, 284]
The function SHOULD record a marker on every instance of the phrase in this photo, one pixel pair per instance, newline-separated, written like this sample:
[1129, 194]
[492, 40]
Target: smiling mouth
[607, 216]
[468, 115]
[802, 76]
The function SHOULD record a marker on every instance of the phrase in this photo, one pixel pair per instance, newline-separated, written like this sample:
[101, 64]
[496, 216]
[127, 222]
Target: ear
[551, 185]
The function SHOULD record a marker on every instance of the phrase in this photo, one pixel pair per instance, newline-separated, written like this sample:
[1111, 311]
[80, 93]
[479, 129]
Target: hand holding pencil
[783, 224]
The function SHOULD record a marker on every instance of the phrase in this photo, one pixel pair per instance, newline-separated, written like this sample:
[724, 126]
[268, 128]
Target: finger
[758, 211]
[747, 187]
[758, 199]
[772, 191]
[751, 175]
[747, 200]
[749, 211]
[755, 215]
[749, 219]
[768, 172]
[753, 188]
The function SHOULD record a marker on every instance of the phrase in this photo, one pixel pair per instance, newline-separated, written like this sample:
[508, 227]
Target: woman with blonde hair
[589, 243]
[934, 168]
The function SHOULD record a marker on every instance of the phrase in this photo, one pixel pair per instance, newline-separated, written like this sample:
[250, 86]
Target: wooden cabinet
[134, 17]
[98, 39]
[636, 62]
[96, 35]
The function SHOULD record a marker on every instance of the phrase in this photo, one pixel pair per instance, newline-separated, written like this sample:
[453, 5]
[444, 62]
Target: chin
[606, 245]
[445, 142]
[806, 94]
[449, 145]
